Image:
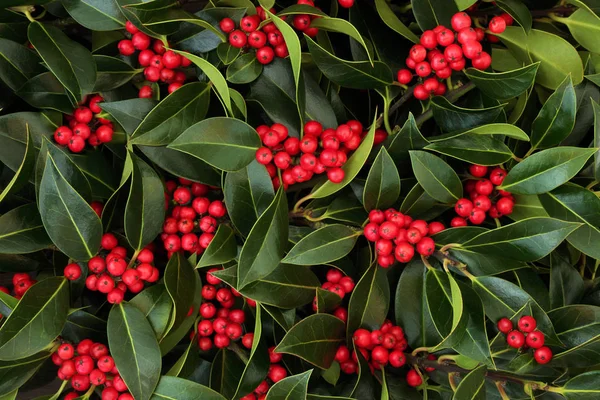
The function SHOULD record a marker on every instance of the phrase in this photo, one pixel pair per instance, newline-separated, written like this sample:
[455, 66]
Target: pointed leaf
[112, 73]
[584, 25]
[370, 301]
[504, 85]
[225, 372]
[577, 327]
[24, 172]
[156, 305]
[291, 388]
[96, 15]
[18, 64]
[323, 246]
[566, 285]
[452, 118]
[45, 91]
[472, 386]
[382, 187]
[435, 176]
[390, 19]
[475, 149]
[408, 138]
[170, 387]
[180, 283]
[517, 10]
[14, 374]
[244, 69]
[129, 113]
[222, 248]
[432, 13]
[22, 231]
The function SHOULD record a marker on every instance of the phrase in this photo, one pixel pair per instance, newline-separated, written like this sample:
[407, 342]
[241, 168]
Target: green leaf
[556, 119]
[339, 25]
[173, 115]
[475, 149]
[584, 25]
[225, 372]
[351, 74]
[258, 363]
[248, 193]
[502, 298]
[286, 287]
[369, 302]
[69, 220]
[391, 20]
[566, 285]
[293, 387]
[129, 113]
[445, 301]
[527, 206]
[112, 73]
[81, 325]
[171, 387]
[22, 231]
[517, 10]
[156, 305]
[546, 170]
[69, 61]
[577, 327]
[135, 350]
[576, 204]
[214, 76]
[227, 53]
[408, 138]
[314, 339]
[382, 187]
[323, 246]
[504, 85]
[96, 15]
[36, 321]
[418, 204]
[472, 386]
[507, 130]
[222, 248]
[18, 64]
[352, 167]
[145, 209]
[596, 142]
[526, 240]
[244, 69]
[24, 172]
[435, 176]
[14, 374]
[266, 242]
[432, 13]
[452, 118]
[582, 387]
[180, 283]
[557, 56]
[327, 301]
[225, 143]
[45, 91]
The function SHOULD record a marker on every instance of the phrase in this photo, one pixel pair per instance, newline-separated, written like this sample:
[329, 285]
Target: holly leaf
[452, 118]
[475, 149]
[156, 305]
[14, 374]
[472, 386]
[222, 248]
[577, 327]
[22, 231]
[18, 64]
[566, 285]
[382, 187]
[323, 246]
[293, 387]
[408, 138]
[504, 85]
[369, 302]
[180, 283]
[433, 13]
[225, 372]
[436, 177]
[24, 172]
[183, 389]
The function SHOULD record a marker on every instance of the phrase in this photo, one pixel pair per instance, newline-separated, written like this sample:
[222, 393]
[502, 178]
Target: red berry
[397, 359]
[484, 187]
[535, 339]
[301, 22]
[435, 227]
[404, 76]
[420, 92]
[237, 39]
[277, 373]
[527, 324]
[145, 92]
[428, 40]
[477, 216]
[497, 176]
[62, 135]
[76, 144]
[445, 37]
[126, 47]
[453, 53]
[505, 325]
[505, 205]
[426, 246]
[413, 235]
[72, 271]
[250, 23]
[515, 339]
[466, 34]
[343, 354]
[418, 53]
[543, 355]
[346, 3]
[66, 351]
[362, 338]
[478, 171]
[463, 207]
[497, 25]
[335, 175]
[482, 202]
[227, 25]
[265, 55]
[472, 49]
[460, 21]
[483, 61]
[431, 85]
[380, 354]
[131, 28]
[404, 252]
[413, 378]
[423, 69]
[140, 41]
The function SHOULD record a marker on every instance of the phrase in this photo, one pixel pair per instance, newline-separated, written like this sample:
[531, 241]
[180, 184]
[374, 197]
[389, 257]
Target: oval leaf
[435, 176]
[475, 149]
[171, 387]
[222, 248]
[382, 187]
[22, 231]
[293, 387]
[504, 85]
[244, 69]
[180, 282]
[370, 301]
[323, 246]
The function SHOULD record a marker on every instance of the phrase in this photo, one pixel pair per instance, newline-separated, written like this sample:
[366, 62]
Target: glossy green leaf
[526, 240]
[69, 220]
[556, 119]
[156, 305]
[22, 231]
[391, 20]
[327, 301]
[323, 246]
[351, 74]
[288, 286]
[576, 204]
[418, 203]
[36, 321]
[370, 301]
[129, 113]
[72, 63]
[227, 53]
[435, 176]
[24, 172]
[504, 85]
[507, 130]
[215, 77]
[96, 15]
[408, 138]
[472, 386]
[314, 339]
[596, 142]
[248, 193]
[577, 327]
[351, 168]
[339, 25]
[527, 206]
[180, 283]
[566, 285]
[266, 242]
[244, 69]
[432, 13]
[225, 143]
[293, 387]
[452, 118]
[134, 348]
[81, 325]
[546, 170]
[519, 12]
[171, 387]
[145, 209]
[475, 149]
[222, 248]
[172, 116]
[382, 187]
[13, 374]
[45, 91]
[582, 387]
[225, 372]
[558, 58]
[112, 73]
[18, 64]
[584, 25]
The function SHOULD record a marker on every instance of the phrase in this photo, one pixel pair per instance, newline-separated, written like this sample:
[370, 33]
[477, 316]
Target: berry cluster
[526, 336]
[112, 274]
[190, 201]
[21, 283]
[341, 285]
[276, 371]
[220, 323]
[267, 40]
[84, 126]
[426, 57]
[380, 347]
[159, 63]
[396, 236]
[89, 364]
[319, 151]
[485, 199]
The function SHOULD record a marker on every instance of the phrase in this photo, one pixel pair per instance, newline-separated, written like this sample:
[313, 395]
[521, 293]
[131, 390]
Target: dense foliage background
[129, 178]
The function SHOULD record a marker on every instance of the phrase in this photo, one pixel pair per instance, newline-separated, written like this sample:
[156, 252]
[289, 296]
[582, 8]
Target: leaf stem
[89, 392]
[133, 258]
[592, 184]
[298, 204]
[451, 380]
[238, 350]
[500, 387]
